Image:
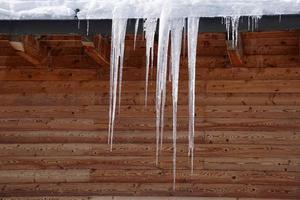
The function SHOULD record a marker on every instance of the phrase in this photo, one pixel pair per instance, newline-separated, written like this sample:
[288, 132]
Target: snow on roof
[106, 9]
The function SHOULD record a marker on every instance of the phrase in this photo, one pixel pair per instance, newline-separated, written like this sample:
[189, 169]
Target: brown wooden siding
[54, 121]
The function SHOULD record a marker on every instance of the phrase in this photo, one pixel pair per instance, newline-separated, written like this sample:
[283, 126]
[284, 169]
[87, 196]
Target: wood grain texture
[54, 121]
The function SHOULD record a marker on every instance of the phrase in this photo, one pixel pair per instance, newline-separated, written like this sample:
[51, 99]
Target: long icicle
[122, 33]
[162, 63]
[116, 66]
[193, 26]
[135, 32]
[176, 40]
[149, 28]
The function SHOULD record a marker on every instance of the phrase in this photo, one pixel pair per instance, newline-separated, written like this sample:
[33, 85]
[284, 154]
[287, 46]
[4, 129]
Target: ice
[149, 29]
[176, 40]
[135, 32]
[87, 27]
[116, 68]
[193, 24]
[161, 76]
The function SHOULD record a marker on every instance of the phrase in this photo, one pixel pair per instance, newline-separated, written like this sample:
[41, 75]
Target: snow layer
[107, 9]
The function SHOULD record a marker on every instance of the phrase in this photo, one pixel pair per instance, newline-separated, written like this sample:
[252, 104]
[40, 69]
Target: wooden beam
[29, 49]
[235, 54]
[20, 50]
[92, 52]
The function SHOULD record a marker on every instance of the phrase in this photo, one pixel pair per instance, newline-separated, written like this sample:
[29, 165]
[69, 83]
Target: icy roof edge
[108, 9]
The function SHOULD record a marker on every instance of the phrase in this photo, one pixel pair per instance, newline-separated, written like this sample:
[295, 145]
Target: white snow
[172, 15]
[106, 9]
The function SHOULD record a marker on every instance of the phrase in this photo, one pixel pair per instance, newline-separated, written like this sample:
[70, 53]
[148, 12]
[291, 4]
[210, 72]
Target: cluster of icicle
[174, 30]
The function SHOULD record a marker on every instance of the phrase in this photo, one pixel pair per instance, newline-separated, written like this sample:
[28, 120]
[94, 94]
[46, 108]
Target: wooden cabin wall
[54, 121]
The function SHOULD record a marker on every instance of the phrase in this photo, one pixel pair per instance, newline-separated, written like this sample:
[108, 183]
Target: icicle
[162, 64]
[78, 24]
[232, 26]
[149, 28]
[87, 27]
[280, 18]
[135, 32]
[184, 38]
[176, 40]
[116, 66]
[193, 24]
[235, 27]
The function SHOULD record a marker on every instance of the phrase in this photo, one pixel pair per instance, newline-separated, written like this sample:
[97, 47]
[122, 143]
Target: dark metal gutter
[19, 27]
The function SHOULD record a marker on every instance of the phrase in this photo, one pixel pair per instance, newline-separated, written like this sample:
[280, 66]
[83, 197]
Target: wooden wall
[54, 120]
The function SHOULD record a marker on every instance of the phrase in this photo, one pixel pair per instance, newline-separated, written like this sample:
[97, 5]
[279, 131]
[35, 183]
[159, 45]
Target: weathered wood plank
[271, 61]
[134, 74]
[150, 189]
[138, 98]
[253, 86]
[279, 41]
[148, 176]
[270, 50]
[10, 87]
[271, 34]
[198, 176]
[148, 162]
[129, 124]
[108, 162]
[146, 150]
[228, 86]
[121, 198]
[45, 176]
[146, 137]
[49, 75]
[101, 111]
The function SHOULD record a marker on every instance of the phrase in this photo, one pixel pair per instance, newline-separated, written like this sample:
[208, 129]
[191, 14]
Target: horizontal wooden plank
[105, 163]
[60, 43]
[271, 61]
[271, 50]
[277, 41]
[256, 86]
[134, 74]
[101, 112]
[147, 150]
[44, 176]
[120, 198]
[129, 124]
[83, 61]
[230, 73]
[13, 61]
[160, 189]
[138, 98]
[148, 176]
[208, 137]
[198, 176]
[10, 87]
[252, 164]
[228, 86]
[267, 163]
[60, 37]
[249, 99]
[271, 34]
[48, 74]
